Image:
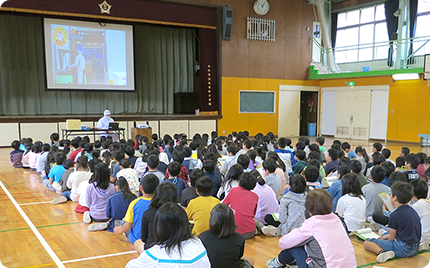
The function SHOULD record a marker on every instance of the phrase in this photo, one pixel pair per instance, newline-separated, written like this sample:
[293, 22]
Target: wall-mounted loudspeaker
[227, 23]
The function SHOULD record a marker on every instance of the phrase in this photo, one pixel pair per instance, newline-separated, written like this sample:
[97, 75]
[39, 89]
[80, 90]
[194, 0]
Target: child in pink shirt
[322, 235]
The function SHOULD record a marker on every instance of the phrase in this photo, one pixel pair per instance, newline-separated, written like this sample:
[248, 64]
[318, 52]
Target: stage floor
[34, 233]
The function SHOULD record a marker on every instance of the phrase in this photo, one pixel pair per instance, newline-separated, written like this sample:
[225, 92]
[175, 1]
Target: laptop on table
[113, 125]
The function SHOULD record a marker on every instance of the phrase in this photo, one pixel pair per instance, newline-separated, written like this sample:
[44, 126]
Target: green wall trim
[314, 74]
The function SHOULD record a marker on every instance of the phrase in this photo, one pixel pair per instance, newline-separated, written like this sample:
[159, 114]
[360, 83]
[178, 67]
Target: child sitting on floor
[190, 193]
[324, 248]
[272, 179]
[244, 203]
[36, 149]
[422, 207]
[291, 209]
[267, 201]
[373, 189]
[301, 164]
[411, 163]
[42, 159]
[164, 193]
[199, 209]
[69, 167]
[178, 156]
[133, 217]
[55, 174]
[130, 175]
[175, 245]
[352, 205]
[311, 174]
[231, 181]
[80, 175]
[404, 237]
[117, 205]
[97, 194]
[16, 154]
[25, 157]
[335, 189]
[152, 161]
[224, 245]
[173, 170]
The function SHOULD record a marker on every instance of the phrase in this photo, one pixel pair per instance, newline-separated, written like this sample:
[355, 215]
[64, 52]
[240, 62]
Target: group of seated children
[233, 188]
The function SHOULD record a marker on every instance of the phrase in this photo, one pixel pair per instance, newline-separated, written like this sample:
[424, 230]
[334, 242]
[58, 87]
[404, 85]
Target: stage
[41, 127]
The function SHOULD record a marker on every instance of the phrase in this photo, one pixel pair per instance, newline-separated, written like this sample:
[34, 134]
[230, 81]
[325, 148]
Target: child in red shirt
[243, 202]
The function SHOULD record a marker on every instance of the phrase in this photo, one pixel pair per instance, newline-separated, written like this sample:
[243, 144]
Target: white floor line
[36, 203]
[102, 256]
[33, 228]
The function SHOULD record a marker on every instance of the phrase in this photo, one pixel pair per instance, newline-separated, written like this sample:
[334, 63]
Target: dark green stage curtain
[164, 62]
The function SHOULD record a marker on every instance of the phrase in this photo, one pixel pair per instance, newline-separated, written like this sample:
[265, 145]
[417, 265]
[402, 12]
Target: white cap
[106, 112]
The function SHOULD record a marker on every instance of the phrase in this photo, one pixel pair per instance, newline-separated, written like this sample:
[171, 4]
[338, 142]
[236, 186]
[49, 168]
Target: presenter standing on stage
[103, 123]
[79, 64]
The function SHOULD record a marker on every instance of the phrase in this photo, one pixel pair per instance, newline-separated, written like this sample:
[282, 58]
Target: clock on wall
[261, 7]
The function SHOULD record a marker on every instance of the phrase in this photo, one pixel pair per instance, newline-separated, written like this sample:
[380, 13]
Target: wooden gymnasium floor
[34, 233]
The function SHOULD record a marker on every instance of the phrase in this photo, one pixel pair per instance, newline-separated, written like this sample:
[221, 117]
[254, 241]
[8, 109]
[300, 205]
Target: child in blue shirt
[132, 222]
[346, 147]
[188, 162]
[209, 169]
[118, 202]
[174, 169]
[404, 237]
[116, 207]
[286, 155]
[389, 168]
[335, 189]
[55, 174]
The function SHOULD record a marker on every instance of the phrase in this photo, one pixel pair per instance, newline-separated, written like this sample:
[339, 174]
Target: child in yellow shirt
[199, 209]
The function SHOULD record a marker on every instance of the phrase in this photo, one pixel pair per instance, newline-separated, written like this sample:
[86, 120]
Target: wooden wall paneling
[293, 56]
[276, 51]
[240, 55]
[258, 54]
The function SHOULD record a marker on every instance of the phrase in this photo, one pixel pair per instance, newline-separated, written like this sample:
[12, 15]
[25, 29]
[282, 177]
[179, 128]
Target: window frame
[359, 25]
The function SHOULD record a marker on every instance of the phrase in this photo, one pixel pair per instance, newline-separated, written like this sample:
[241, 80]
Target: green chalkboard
[257, 101]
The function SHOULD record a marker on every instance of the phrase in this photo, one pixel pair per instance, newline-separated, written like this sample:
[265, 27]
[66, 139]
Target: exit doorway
[308, 113]
[292, 121]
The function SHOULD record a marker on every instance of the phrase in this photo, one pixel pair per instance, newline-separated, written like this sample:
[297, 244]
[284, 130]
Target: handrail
[317, 43]
[413, 53]
[378, 53]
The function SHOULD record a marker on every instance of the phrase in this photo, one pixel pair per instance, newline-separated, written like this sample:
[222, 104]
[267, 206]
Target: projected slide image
[88, 57]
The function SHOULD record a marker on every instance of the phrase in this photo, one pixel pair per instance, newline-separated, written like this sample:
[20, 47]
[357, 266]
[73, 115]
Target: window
[422, 29]
[357, 31]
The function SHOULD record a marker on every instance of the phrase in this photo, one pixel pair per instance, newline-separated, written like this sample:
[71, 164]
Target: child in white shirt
[352, 205]
[422, 207]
